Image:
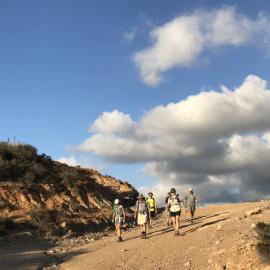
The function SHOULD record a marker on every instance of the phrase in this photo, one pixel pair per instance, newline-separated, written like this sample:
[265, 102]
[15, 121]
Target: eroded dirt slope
[57, 206]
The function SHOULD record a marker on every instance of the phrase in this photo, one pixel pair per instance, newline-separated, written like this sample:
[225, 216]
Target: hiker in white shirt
[174, 206]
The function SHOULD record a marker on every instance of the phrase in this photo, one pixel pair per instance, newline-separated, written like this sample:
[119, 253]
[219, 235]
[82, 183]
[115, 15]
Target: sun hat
[116, 201]
[150, 193]
[141, 196]
[173, 190]
[190, 189]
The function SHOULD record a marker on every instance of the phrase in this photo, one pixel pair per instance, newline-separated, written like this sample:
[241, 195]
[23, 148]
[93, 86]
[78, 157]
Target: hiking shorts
[152, 214]
[118, 220]
[174, 214]
[142, 219]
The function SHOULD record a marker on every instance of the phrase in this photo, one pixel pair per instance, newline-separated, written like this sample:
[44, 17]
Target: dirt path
[221, 238]
[22, 254]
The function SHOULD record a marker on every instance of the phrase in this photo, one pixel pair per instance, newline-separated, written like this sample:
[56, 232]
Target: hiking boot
[176, 233]
[119, 239]
[143, 235]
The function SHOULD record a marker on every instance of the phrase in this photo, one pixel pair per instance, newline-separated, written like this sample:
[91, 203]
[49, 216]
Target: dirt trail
[221, 238]
[23, 254]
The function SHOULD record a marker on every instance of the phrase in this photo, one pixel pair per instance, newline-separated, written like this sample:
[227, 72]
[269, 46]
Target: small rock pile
[253, 212]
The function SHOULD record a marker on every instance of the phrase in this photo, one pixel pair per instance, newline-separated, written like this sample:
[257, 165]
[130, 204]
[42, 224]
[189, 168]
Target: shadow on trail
[65, 257]
[23, 254]
[198, 220]
[29, 254]
[203, 225]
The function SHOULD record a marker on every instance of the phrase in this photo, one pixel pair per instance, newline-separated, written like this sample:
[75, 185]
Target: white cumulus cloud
[113, 123]
[216, 141]
[82, 161]
[71, 161]
[181, 41]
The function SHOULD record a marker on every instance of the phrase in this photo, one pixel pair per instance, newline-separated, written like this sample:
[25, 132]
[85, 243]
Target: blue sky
[64, 63]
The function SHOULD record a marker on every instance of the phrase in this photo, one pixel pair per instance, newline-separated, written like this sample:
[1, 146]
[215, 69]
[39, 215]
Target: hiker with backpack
[152, 208]
[142, 214]
[118, 218]
[174, 206]
[191, 202]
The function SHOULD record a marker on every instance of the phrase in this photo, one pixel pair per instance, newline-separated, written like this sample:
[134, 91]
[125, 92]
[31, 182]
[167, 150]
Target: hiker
[142, 214]
[152, 208]
[118, 218]
[174, 206]
[191, 202]
[169, 221]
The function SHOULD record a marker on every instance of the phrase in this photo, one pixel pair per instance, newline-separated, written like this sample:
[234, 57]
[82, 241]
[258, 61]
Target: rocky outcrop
[79, 206]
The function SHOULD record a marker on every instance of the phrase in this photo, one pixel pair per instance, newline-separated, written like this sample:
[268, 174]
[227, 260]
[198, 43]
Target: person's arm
[124, 215]
[113, 217]
[185, 201]
[168, 205]
[182, 202]
[136, 211]
[196, 200]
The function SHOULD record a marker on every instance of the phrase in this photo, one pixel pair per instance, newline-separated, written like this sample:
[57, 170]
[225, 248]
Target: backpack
[118, 210]
[174, 201]
[142, 207]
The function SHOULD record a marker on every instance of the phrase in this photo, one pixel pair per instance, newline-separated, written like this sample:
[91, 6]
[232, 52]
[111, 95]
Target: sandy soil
[221, 238]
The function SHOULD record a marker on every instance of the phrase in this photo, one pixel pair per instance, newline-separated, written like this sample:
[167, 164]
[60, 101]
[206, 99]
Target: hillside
[40, 195]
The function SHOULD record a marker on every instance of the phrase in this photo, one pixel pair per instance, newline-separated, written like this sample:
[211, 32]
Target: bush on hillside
[22, 164]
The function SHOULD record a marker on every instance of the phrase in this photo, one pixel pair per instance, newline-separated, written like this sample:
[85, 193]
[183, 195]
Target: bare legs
[150, 222]
[118, 232]
[191, 216]
[143, 230]
[176, 221]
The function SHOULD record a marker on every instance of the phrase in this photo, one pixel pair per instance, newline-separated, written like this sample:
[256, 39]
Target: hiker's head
[141, 197]
[150, 194]
[190, 190]
[173, 191]
[116, 201]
